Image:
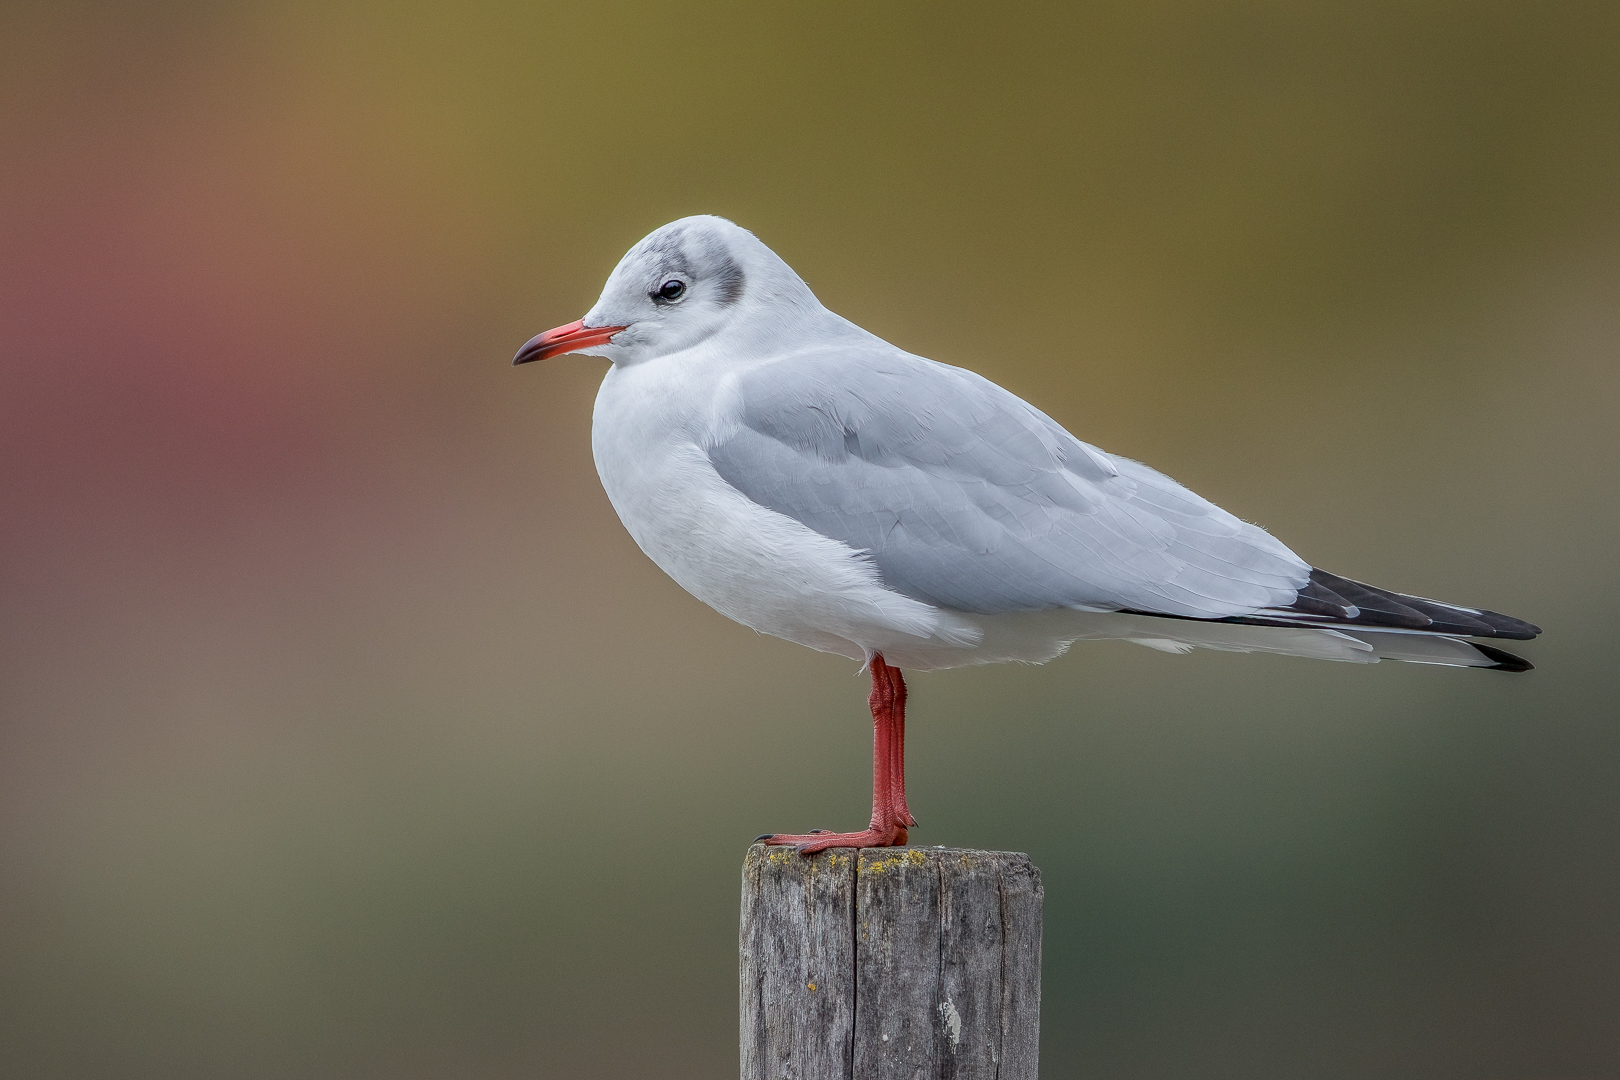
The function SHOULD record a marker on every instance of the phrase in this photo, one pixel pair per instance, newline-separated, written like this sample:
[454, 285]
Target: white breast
[649, 433]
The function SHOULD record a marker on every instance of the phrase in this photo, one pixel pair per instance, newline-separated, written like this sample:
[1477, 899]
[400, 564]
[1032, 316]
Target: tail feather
[1422, 648]
[1505, 661]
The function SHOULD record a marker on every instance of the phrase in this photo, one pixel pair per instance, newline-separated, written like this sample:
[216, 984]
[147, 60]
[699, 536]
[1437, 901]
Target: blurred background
[346, 733]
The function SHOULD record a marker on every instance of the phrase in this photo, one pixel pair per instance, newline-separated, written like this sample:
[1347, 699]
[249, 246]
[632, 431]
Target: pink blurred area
[274, 501]
[347, 734]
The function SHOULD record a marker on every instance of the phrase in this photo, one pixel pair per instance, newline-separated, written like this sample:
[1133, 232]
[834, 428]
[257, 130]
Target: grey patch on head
[666, 255]
[666, 263]
[669, 255]
[729, 280]
[667, 242]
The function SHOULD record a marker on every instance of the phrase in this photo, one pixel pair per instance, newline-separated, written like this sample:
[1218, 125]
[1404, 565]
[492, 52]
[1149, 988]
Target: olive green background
[347, 735]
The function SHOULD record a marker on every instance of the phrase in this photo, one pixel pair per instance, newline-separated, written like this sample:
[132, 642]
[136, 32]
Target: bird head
[678, 287]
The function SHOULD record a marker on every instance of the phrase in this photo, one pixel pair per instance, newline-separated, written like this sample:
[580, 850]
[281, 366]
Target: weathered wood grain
[797, 985]
[925, 964]
[1021, 895]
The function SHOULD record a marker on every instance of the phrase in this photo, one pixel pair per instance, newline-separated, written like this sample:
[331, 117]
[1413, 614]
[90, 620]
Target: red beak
[564, 339]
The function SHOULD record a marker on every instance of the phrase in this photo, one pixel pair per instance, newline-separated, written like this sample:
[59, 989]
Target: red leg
[897, 750]
[890, 818]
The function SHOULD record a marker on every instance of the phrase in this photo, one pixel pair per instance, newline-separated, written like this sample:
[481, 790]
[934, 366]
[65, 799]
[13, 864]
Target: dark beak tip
[532, 350]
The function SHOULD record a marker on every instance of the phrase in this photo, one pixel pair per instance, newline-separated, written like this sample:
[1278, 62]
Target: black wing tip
[1503, 661]
[1520, 631]
[1382, 607]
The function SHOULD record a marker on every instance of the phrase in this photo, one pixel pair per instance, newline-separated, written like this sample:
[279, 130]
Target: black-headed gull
[812, 481]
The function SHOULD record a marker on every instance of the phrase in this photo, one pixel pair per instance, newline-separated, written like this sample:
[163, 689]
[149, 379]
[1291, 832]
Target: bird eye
[671, 289]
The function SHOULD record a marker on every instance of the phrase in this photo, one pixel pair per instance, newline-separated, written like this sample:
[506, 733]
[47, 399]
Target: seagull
[812, 481]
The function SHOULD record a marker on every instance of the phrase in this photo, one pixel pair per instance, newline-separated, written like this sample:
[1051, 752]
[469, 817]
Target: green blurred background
[347, 735]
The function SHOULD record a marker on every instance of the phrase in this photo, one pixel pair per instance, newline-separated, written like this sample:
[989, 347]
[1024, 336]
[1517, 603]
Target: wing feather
[966, 497]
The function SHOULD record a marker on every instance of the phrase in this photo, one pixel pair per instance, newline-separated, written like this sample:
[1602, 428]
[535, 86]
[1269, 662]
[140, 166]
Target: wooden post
[922, 963]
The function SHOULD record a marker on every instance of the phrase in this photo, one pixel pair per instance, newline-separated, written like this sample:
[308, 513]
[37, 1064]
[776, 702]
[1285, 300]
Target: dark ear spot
[728, 281]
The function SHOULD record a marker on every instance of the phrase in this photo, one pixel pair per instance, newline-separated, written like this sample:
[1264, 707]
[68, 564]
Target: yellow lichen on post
[907, 856]
[830, 860]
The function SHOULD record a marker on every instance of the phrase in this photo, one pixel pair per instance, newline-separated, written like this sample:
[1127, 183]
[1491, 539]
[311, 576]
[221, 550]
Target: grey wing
[968, 498]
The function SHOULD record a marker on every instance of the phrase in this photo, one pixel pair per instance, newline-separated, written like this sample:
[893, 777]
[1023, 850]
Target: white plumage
[812, 481]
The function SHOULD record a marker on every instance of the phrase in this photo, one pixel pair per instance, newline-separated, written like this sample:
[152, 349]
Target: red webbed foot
[809, 843]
